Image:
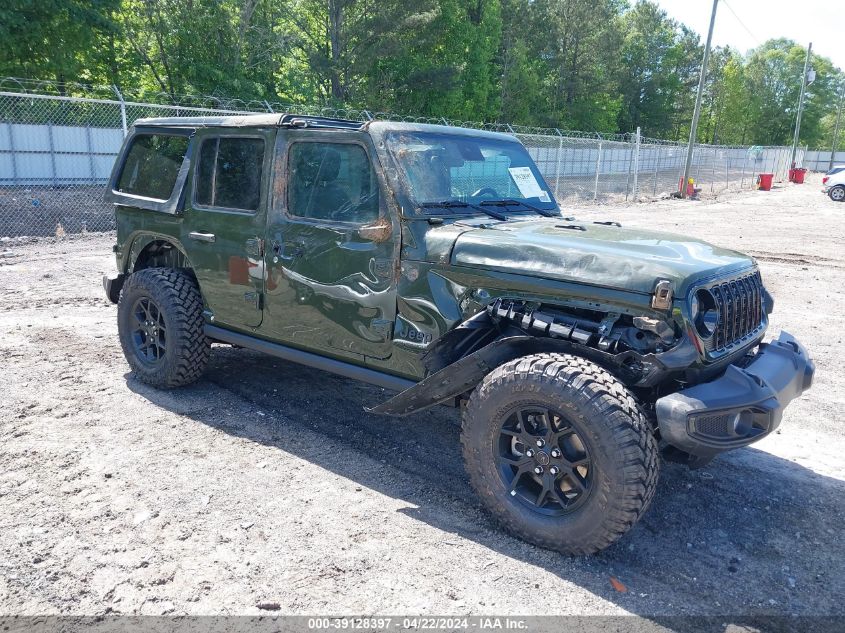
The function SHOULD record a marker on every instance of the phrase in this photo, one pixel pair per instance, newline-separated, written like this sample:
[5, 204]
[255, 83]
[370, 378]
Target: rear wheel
[559, 452]
[837, 193]
[161, 327]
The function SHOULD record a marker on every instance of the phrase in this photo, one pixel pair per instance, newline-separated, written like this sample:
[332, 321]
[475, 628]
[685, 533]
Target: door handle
[296, 253]
[278, 251]
[202, 237]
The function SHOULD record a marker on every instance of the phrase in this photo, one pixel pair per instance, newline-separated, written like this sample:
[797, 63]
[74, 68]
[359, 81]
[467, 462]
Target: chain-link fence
[57, 151]
[638, 168]
[823, 160]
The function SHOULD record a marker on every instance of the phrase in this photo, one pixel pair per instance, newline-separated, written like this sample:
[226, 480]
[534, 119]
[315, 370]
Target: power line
[741, 23]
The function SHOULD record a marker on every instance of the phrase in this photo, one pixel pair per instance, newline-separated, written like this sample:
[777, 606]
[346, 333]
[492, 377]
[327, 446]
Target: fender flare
[451, 381]
[128, 258]
[465, 373]
[139, 242]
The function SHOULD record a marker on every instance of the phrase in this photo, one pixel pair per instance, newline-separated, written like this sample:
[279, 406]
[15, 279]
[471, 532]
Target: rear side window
[229, 173]
[835, 170]
[152, 165]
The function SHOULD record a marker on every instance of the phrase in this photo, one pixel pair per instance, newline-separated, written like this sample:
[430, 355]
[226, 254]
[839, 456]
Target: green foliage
[595, 65]
[829, 129]
[52, 39]
[659, 72]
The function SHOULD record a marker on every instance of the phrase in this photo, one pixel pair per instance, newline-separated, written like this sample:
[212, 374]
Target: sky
[816, 21]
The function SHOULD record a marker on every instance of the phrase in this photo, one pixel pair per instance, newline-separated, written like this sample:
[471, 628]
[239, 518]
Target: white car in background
[834, 183]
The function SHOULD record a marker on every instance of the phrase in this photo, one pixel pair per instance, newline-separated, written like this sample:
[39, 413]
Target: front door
[331, 247]
[224, 222]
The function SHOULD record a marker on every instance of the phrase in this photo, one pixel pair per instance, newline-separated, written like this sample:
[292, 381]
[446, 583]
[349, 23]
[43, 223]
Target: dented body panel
[434, 292]
[596, 255]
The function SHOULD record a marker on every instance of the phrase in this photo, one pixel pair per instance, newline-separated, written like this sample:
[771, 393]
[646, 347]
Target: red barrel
[764, 181]
[798, 175]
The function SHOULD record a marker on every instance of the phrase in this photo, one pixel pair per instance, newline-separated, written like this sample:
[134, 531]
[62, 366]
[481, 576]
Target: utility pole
[800, 107]
[836, 128]
[697, 112]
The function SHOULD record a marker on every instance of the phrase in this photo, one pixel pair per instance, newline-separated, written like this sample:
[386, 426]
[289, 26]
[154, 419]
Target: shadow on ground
[750, 535]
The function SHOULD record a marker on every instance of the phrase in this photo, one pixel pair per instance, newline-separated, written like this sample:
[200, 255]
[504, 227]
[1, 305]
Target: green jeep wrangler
[435, 262]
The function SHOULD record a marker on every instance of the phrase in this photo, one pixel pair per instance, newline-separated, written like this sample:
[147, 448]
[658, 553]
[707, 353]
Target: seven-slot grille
[740, 305]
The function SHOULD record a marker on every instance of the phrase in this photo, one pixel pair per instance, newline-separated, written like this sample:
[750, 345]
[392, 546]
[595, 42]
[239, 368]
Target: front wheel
[559, 451]
[160, 322]
[837, 193]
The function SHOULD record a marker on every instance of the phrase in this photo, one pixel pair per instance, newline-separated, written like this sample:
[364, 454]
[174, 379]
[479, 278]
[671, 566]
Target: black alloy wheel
[150, 334]
[543, 461]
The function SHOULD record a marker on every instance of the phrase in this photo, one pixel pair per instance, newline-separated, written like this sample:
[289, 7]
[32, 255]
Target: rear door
[332, 247]
[225, 216]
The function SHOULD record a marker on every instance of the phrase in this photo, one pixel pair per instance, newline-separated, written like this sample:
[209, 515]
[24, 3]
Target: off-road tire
[624, 450]
[186, 348]
[837, 193]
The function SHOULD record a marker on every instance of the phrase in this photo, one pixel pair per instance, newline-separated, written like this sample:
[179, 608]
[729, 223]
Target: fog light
[726, 426]
[734, 423]
[742, 422]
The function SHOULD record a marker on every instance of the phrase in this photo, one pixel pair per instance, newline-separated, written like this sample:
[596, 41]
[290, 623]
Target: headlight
[704, 313]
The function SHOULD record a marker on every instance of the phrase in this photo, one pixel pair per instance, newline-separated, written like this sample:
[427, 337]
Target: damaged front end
[633, 348]
[640, 351]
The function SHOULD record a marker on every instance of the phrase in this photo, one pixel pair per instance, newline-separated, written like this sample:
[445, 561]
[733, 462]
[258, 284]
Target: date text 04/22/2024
[417, 623]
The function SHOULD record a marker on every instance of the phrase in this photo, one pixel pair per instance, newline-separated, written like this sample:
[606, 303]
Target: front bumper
[743, 405]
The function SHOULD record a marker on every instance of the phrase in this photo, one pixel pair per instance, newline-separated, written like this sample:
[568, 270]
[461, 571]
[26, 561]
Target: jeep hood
[608, 256]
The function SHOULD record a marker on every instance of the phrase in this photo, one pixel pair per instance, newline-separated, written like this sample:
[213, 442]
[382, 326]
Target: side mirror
[378, 231]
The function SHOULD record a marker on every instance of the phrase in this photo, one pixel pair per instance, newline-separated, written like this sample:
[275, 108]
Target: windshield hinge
[573, 227]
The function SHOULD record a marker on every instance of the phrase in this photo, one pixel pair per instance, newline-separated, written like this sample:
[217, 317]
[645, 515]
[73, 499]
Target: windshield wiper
[458, 204]
[509, 202]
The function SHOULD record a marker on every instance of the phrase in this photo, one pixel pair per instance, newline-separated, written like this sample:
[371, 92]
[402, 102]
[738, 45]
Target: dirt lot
[267, 482]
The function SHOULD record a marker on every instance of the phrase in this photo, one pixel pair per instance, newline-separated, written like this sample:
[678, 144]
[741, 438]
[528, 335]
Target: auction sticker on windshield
[527, 184]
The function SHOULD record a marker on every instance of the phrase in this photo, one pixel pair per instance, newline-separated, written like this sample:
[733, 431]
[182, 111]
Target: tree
[520, 98]
[577, 60]
[660, 61]
[734, 102]
[52, 39]
[774, 76]
[593, 65]
[214, 47]
[828, 121]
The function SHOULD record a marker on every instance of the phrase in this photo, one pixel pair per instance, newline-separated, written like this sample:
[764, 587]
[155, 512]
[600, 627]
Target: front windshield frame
[429, 203]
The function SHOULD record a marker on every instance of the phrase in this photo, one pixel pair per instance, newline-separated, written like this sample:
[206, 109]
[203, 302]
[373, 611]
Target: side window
[229, 173]
[332, 181]
[152, 165]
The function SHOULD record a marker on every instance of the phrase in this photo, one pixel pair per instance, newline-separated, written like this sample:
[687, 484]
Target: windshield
[439, 167]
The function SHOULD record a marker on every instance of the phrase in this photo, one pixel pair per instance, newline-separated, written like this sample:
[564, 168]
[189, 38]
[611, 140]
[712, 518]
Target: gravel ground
[268, 483]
